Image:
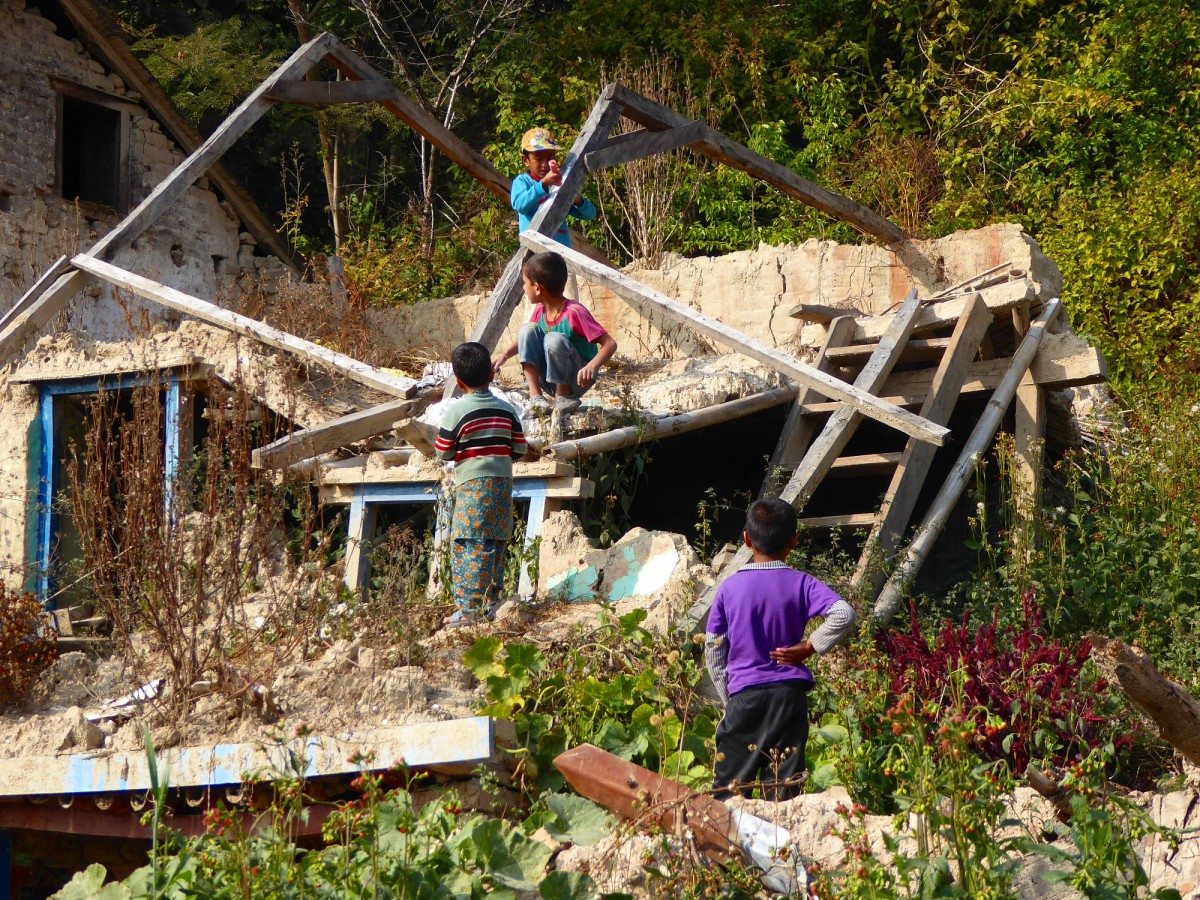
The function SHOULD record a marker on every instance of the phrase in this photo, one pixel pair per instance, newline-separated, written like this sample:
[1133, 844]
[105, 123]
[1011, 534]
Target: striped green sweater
[481, 434]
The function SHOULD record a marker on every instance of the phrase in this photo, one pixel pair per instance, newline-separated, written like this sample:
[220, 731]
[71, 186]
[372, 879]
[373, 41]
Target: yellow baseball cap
[538, 139]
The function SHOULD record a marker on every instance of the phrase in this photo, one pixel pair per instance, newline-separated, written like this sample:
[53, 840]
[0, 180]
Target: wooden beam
[865, 464]
[909, 477]
[648, 299]
[202, 159]
[1029, 440]
[820, 314]
[798, 429]
[848, 520]
[37, 313]
[333, 93]
[311, 353]
[102, 33]
[721, 149]
[651, 143]
[358, 426]
[60, 267]
[419, 435]
[964, 468]
[999, 298]
[920, 349]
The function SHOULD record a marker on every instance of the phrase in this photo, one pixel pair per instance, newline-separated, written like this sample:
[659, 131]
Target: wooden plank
[100, 30]
[332, 93]
[347, 429]
[649, 299]
[558, 488]
[721, 149]
[901, 496]
[920, 349]
[821, 314]
[202, 158]
[849, 520]
[999, 298]
[1029, 441]
[964, 469]
[99, 369]
[239, 324]
[864, 464]
[379, 468]
[651, 143]
[419, 435]
[61, 266]
[797, 428]
[34, 317]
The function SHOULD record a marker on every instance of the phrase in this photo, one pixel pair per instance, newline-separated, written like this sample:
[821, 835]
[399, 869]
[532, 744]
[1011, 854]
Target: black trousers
[762, 739]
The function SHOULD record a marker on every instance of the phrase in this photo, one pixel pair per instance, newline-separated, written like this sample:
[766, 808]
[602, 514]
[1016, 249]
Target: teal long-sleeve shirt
[527, 195]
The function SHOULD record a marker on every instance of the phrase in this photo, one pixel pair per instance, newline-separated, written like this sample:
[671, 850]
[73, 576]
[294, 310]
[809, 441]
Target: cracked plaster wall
[753, 290]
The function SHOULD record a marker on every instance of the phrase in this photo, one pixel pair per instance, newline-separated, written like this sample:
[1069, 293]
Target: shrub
[1027, 694]
[27, 646]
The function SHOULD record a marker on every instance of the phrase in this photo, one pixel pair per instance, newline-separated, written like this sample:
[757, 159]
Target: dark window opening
[63, 26]
[90, 153]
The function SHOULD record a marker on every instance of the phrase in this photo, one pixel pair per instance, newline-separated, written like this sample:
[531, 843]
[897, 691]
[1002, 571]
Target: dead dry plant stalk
[647, 202]
[173, 562]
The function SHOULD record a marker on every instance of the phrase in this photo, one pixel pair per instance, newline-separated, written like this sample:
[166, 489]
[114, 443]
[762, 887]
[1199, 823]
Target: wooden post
[646, 298]
[1029, 441]
[311, 353]
[909, 476]
[960, 475]
[359, 530]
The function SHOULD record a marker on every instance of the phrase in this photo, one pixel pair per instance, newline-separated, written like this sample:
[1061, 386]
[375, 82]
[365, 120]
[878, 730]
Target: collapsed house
[870, 358]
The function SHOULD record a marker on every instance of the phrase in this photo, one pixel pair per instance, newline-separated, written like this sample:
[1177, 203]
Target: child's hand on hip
[794, 655]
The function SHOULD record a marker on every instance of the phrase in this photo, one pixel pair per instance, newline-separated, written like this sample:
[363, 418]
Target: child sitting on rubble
[562, 347]
[755, 651]
[530, 189]
[481, 434]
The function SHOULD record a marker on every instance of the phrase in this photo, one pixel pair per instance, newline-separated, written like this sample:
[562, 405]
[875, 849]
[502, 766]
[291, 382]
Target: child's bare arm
[587, 374]
[503, 356]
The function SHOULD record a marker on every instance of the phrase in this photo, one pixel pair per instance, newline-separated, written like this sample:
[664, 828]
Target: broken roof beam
[964, 468]
[332, 93]
[425, 745]
[649, 300]
[307, 351]
[203, 157]
[309, 442]
[721, 149]
[669, 426]
[999, 298]
[641, 144]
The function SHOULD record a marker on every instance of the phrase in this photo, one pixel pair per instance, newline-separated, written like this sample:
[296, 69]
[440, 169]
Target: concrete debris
[124, 706]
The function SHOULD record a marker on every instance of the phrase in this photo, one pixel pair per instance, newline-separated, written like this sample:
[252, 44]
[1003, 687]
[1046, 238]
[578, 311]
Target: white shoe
[539, 405]
[566, 405]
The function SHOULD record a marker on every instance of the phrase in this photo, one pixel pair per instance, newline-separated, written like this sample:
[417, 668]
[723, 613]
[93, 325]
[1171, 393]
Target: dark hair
[547, 269]
[472, 364]
[771, 525]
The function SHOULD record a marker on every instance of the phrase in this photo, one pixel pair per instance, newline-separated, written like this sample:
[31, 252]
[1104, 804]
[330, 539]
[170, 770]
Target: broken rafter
[332, 93]
[669, 426]
[223, 318]
[649, 301]
[647, 143]
[721, 149]
[964, 468]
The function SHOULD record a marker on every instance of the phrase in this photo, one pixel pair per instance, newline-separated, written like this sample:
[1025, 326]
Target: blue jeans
[556, 361]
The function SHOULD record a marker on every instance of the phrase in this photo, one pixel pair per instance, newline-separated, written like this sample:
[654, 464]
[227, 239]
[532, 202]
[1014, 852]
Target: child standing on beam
[755, 651]
[532, 188]
[562, 346]
[480, 434]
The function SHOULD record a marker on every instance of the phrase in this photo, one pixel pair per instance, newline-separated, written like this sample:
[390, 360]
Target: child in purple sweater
[755, 650]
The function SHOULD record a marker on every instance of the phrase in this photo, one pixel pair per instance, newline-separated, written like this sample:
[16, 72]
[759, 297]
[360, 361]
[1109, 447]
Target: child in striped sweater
[480, 434]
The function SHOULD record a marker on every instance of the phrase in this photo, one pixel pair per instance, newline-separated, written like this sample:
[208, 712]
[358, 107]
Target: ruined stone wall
[37, 225]
[753, 290]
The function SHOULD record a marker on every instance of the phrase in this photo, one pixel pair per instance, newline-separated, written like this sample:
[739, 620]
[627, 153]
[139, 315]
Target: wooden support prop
[36, 314]
[332, 93]
[651, 143]
[829, 443]
[909, 477]
[798, 428]
[648, 299]
[201, 160]
[964, 468]
[669, 426]
[1029, 439]
[1174, 711]
[721, 149]
[999, 298]
[61, 266]
[223, 318]
[358, 426]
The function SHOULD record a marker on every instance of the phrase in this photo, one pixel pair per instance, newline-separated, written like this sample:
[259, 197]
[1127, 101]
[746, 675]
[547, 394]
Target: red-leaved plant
[1026, 689]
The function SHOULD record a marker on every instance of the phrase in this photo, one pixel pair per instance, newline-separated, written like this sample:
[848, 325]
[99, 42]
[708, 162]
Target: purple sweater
[762, 607]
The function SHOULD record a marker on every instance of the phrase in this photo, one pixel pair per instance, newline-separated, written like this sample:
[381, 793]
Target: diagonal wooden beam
[202, 159]
[721, 149]
[310, 442]
[829, 443]
[332, 93]
[36, 314]
[982, 435]
[307, 351]
[651, 301]
[60, 267]
[648, 143]
[909, 477]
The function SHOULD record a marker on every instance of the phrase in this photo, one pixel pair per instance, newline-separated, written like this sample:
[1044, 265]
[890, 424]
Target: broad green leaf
[89, 885]
[577, 820]
[566, 886]
[481, 658]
